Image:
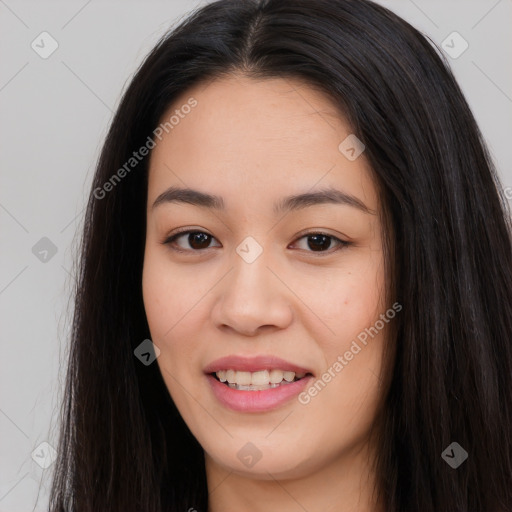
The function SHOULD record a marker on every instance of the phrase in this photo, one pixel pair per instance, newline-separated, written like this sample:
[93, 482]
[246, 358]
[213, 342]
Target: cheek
[167, 292]
[174, 311]
[164, 302]
[156, 294]
[169, 315]
[348, 302]
[345, 396]
[352, 352]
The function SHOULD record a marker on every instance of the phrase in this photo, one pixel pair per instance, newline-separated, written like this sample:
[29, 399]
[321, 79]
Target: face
[286, 295]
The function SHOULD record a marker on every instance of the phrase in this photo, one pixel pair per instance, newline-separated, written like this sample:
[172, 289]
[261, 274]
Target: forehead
[261, 137]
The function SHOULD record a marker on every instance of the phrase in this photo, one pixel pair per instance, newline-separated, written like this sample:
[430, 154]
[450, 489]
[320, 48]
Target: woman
[296, 286]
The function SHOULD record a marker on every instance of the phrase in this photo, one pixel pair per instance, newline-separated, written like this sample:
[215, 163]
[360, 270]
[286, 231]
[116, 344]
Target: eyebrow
[290, 203]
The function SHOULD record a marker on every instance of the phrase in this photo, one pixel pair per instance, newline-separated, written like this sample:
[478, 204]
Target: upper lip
[253, 364]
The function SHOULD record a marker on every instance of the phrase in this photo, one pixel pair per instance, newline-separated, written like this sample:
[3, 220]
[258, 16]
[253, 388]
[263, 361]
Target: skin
[254, 142]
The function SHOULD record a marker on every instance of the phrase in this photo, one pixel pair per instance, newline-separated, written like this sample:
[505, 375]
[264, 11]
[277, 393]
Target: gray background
[54, 115]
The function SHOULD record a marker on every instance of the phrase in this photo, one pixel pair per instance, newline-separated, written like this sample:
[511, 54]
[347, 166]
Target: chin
[259, 458]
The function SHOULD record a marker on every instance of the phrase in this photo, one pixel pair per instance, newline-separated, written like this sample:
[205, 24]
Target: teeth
[276, 376]
[289, 376]
[253, 388]
[260, 378]
[243, 378]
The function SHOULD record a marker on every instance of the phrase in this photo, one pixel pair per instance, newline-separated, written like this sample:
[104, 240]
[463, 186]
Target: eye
[321, 242]
[200, 241]
[197, 240]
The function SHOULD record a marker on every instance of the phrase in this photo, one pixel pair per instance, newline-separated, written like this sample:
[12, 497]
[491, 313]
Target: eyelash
[170, 240]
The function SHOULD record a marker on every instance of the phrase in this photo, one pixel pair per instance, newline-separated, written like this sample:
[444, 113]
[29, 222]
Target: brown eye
[321, 242]
[197, 240]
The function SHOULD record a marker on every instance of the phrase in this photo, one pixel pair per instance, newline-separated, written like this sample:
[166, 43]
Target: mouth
[255, 384]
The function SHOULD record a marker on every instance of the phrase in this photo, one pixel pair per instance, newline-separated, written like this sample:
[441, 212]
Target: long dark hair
[124, 446]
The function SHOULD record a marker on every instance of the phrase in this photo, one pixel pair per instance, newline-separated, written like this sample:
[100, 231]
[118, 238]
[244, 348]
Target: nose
[252, 298]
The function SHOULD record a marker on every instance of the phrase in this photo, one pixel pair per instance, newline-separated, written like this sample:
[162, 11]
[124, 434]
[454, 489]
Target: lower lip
[256, 401]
